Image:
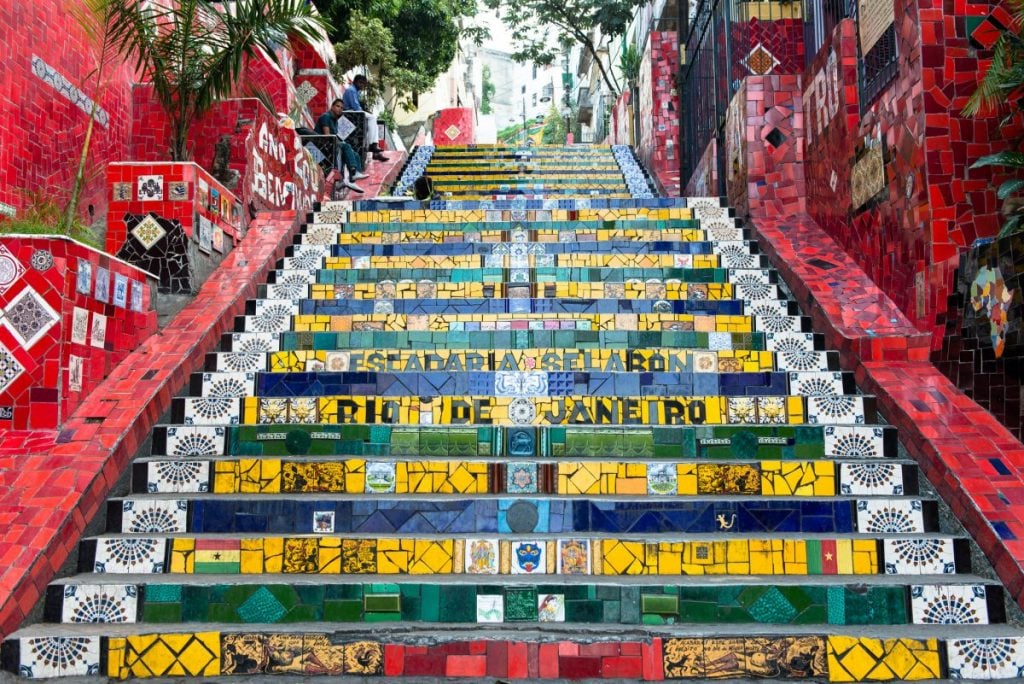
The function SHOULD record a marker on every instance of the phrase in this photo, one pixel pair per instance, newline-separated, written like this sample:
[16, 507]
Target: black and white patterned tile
[890, 516]
[919, 556]
[130, 555]
[985, 658]
[306, 258]
[290, 285]
[10, 368]
[11, 269]
[59, 656]
[949, 604]
[816, 384]
[110, 603]
[836, 409]
[854, 442]
[154, 516]
[802, 360]
[271, 317]
[210, 410]
[191, 441]
[28, 317]
[229, 384]
[178, 477]
[875, 478]
[320, 235]
[255, 342]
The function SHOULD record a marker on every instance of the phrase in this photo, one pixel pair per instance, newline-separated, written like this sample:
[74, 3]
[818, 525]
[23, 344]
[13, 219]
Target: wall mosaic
[59, 337]
[983, 346]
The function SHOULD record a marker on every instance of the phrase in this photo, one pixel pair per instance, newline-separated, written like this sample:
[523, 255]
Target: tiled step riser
[394, 479]
[505, 360]
[521, 383]
[732, 255]
[819, 656]
[311, 255]
[737, 517]
[792, 345]
[281, 316]
[326, 302]
[230, 409]
[327, 554]
[520, 603]
[506, 210]
[730, 443]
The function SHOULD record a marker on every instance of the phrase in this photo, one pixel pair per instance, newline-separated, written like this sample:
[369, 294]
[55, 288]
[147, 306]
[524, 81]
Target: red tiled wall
[40, 395]
[224, 209]
[459, 117]
[621, 120]
[659, 132]
[42, 131]
[764, 151]
[933, 207]
[704, 179]
[782, 39]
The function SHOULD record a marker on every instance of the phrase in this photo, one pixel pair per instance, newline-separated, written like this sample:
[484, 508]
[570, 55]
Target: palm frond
[1008, 158]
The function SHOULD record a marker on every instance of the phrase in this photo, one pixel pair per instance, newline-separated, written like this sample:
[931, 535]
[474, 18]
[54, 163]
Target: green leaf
[1010, 187]
[1004, 158]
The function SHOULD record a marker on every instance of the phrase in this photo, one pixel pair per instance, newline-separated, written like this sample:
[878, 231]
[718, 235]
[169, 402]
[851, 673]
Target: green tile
[162, 613]
[661, 604]
[381, 603]
[162, 593]
[520, 604]
[382, 617]
[343, 610]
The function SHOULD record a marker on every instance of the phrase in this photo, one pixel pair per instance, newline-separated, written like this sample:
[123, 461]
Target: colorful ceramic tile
[11, 269]
[528, 557]
[83, 277]
[985, 658]
[481, 557]
[380, 478]
[29, 317]
[102, 284]
[520, 478]
[148, 232]
[136, 300]
[573, 556]
[120, 290]
[150, 188]
[490, 608]
[59, 656]
[949, 604]
[323, 522]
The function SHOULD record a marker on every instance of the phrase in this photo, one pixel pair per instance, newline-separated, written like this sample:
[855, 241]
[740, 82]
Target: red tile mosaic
[658, 137]
[975, 463]
[69, 475]
[44, 106]
[454, 126]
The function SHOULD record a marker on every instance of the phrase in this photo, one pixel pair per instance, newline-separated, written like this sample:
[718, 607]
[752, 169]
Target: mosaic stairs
[542, 438]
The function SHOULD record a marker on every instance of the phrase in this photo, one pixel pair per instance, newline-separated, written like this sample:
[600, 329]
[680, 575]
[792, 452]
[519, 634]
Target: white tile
[890, 516]
[919, 556]
[958, 604]
[135, 555]
[986, 658]
[114, 603]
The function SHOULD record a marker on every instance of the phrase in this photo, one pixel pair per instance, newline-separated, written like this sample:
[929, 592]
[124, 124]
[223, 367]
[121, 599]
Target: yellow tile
[182, 556]
[251, 556]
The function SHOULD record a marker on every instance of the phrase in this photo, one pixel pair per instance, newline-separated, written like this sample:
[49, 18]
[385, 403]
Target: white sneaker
[359, 176]
[352, 186]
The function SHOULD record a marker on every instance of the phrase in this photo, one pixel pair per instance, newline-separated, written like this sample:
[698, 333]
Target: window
[877, 68]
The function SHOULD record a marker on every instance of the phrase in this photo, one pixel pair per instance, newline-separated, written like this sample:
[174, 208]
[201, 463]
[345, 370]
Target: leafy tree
[1001, 91]
[574, 22]
[194, 52]
[487, 88]
[555, 129]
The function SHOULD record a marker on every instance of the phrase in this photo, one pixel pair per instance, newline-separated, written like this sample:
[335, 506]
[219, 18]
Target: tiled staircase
[551, 427]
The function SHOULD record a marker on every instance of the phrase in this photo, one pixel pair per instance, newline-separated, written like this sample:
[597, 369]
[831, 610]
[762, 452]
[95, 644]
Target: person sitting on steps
[350, 99]
[327, 124]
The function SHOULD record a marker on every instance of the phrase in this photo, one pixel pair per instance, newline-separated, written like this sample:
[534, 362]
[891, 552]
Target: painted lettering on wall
[283, 175]
[821, 98]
